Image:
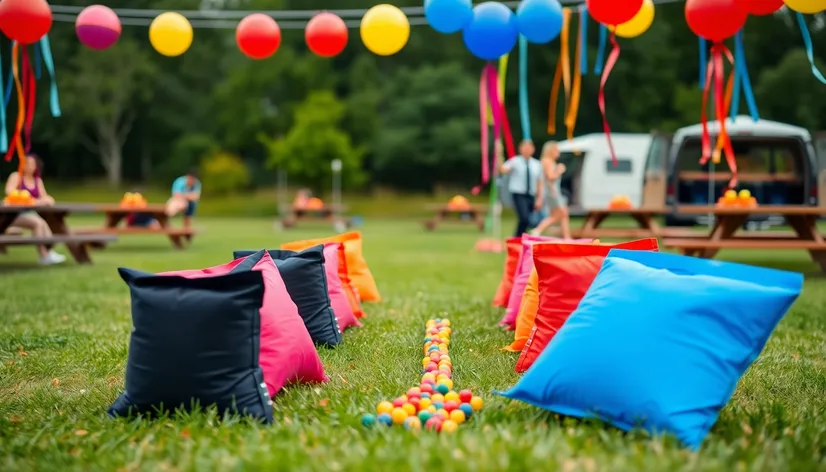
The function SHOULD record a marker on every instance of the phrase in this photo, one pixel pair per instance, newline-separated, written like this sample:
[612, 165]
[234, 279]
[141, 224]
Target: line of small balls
[433, 403]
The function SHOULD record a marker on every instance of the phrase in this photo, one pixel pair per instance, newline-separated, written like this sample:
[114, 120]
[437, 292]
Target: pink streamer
[495, 103]
[483, 120]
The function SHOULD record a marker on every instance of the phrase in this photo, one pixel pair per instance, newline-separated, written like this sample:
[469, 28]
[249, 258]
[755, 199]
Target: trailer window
[623, 166]
[778, 156]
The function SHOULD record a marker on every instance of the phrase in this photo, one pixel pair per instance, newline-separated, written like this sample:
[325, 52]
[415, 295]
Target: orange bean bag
[503, 293]
[564, 273]
[357, 269]
[347, 284]
[527, 314]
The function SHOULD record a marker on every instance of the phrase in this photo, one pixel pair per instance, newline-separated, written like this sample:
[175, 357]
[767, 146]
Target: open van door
[820, 150]
[655, 179]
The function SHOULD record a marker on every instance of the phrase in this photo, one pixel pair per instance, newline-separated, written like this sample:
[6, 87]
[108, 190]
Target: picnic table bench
[473, 214]
[728, 221]
[115, 214]
[326, 213]
[647, 226]
[55, 216]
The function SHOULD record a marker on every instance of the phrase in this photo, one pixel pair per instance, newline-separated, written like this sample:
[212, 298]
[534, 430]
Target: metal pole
[335, 166]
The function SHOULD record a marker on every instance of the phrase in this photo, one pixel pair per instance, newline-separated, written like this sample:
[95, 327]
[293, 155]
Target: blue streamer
[37, 68]
[524, 113]
[583, 32]
[703, 62]
[738, 78]
[742, 76]
[603, 39]
[807, 42]
[54, 100]
[9, 82]
[4, 138]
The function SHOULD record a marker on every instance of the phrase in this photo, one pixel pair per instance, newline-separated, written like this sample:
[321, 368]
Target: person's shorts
[555, 201]
[140, 220]
[190, 208]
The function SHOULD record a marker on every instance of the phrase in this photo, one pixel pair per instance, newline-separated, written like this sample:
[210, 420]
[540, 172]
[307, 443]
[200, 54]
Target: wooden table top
[628, 211]
[792, 210]
[445, 207]
[56, 208]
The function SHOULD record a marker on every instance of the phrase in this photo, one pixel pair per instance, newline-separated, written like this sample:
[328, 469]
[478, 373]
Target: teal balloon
[492, 32]
[539, 21]
[448, 16]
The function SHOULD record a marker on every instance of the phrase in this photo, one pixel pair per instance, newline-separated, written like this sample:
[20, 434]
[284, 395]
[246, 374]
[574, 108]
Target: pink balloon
[98, 27]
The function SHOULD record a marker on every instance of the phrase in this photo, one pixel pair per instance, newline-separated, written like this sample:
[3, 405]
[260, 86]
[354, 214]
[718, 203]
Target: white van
[591, 179]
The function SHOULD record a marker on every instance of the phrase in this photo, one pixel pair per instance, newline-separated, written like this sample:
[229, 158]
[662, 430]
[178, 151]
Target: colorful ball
[466, 409]
[442, 387]
[326, 34]
[427, 388]
[385, 419]
[409, 408]
[425, 395]
[384, 407]
[437, 398]
[368, 420]
[449, 426]
[465, 396]
[25, 21]
[258, 36]
[539, 21]
[476, 403]
[170, 34]
[425, 415]
[448, 16]
[384, 30]
[98, 27]
[451, 405]
[457, 416]
[413, 423]
[414, 392]
[715, 20]
[424, 403]
[399, 415]
[433, 424]
[398, 402]
[438, 405]
[613, 12]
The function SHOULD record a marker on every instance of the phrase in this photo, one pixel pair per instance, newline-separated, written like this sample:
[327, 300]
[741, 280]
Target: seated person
[186, 192]
[302, 197]
[30, 181]
[139, 219]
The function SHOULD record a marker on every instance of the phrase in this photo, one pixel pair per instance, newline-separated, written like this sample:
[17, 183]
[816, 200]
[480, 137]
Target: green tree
[314, 141]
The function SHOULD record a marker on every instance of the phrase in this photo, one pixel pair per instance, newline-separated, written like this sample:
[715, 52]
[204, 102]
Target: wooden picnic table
[55, 216]
[329, 213]
[647, 226]
[728, 221]
[474, 214]
[115, 214]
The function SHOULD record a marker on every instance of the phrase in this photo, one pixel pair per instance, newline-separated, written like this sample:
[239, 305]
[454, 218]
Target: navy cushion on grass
[306, 280]
[659, 341]
[194, 341]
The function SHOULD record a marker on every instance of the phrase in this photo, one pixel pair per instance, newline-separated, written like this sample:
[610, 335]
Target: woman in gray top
[555, 201]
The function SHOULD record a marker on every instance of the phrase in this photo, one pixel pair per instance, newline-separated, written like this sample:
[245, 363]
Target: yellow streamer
[721, 138]
[503, 72]
[573, 104]
[562, 74]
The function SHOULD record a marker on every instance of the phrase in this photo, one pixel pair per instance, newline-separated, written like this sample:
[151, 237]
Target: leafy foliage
[223, 173]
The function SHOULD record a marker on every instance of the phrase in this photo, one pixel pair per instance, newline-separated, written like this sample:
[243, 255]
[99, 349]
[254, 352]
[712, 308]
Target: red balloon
[761, 7]
[326, 34]
[613, 12]
[25, 21]
[258, 36]
[715, 20]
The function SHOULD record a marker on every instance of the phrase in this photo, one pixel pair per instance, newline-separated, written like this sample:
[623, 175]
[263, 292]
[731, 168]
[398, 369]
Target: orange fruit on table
[315, 203]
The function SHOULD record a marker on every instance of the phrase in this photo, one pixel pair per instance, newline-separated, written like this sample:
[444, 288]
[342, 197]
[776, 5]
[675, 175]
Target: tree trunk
[115, 159]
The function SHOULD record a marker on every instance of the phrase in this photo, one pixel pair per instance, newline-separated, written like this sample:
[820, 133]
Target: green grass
[63, 345]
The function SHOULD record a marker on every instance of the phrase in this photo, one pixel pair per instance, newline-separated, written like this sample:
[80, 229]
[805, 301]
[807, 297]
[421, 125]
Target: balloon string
[717, 66]
[30, 92]
[603, 38]
[17, 145]
[703, 61]
[561, 70]
[4, 138]
[705, 136]
[609, 65]
[573, 104]
[807, 43]
[54, 99]
[524, 112]
[583, 38]
[736, 74]
[743, 75]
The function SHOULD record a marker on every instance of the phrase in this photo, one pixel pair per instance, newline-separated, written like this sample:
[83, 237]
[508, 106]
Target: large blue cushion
[194, 341]
[659, 341]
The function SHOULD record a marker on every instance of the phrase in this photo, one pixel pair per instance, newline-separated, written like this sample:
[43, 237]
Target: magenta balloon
[98, 27]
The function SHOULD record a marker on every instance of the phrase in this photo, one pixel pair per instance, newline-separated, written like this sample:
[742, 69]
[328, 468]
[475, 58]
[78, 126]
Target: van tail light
[670, 190]
[813, 191]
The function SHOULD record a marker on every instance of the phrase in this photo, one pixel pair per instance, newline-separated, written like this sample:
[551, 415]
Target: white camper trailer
[592, 179]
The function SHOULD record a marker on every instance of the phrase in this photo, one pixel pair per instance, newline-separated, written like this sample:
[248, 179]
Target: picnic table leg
[724, 228]
[806, 228]
[57, 223]
[6, 219]
[592, 222]
[647, 222]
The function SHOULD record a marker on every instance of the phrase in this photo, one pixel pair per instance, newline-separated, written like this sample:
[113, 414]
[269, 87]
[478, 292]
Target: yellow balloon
[639, 24]
[385, 30]
[806, 6]
[170, 34]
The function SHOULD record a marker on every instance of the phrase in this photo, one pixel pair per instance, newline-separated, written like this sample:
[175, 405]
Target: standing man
[186, 191]
[524, 184]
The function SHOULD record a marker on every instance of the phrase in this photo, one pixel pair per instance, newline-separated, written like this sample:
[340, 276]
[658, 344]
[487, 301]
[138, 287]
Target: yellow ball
[424, 404]
[745, 194]
[443, 347]
[170, 34]
[409, 408]
[431, 409]
[443, 413]
[437, 398]
[447, 382]
[449, 426]
[428, 376]
[413, 423]
[445, 322]
[476, 403]
[384, 407]
[451, 396]
[457, 416]
[399, 415]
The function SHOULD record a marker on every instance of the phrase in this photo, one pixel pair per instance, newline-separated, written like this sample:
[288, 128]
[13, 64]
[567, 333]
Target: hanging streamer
[501, 126]
[54, 100]
[703, 61]
[573, 104]
[37, 71]
[583, 37]
[603, 39]
[524, 112]
[715, 73]
[807, 43]
[743, 75]
[483, 128]
[563, 72]
[29, 92]
[4, 138]
[609, 64]
[731, 89]
[16, 142]
[10, 81]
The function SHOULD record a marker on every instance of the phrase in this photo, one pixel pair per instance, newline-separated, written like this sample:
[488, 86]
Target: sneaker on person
[51, 258]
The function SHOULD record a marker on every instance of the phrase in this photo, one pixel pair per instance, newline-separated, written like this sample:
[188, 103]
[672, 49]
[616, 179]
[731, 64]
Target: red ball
[761, 7]
[465, 396]
[326, 34]
[415, 402]
[399, 402]
[432, 367]
[426, 388]
[433, 424]
[258, 36]
[25, 21]
[613, 12]
[715, 20]
[414, 392]
[451, 405]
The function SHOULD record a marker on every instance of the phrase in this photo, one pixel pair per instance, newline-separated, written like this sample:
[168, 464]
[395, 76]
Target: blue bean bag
[659, 342]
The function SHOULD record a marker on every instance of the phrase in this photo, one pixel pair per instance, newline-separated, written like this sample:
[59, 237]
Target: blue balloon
[539, 21]
[448, 16]
[492, 32]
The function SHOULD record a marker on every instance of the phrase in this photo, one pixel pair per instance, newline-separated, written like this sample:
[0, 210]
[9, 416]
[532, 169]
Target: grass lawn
[64, 334]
